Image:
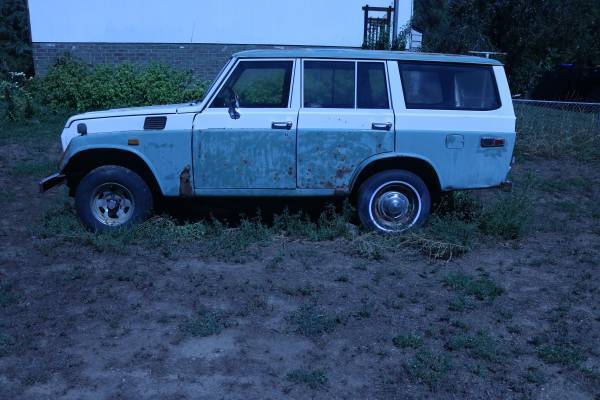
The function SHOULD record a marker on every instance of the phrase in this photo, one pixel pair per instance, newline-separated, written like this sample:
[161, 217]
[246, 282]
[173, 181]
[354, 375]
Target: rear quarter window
[449, 86]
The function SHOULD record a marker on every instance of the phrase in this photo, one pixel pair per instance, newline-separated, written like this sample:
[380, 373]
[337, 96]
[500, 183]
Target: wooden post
[366, 22]
[389, 25]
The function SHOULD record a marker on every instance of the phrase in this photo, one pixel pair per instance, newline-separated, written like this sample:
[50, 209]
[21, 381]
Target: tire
[112, 197]
[393, 201]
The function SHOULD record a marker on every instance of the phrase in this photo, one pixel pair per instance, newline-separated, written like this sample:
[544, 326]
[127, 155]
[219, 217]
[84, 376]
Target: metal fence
[555, 128]
[568, 110]
[573, 106]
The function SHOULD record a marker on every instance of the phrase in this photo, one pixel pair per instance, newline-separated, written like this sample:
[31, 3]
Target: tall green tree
[536, 34]
[15, 38]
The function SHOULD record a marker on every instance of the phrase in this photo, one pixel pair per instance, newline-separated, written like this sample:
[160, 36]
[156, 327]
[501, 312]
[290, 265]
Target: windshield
[214, 81]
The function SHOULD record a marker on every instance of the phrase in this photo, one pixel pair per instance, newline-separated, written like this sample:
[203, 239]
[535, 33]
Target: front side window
[449, 87]
[329, 84]
[258, 84]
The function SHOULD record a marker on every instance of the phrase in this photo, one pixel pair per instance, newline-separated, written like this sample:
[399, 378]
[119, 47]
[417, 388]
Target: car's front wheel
[112, 197]
[393, 201]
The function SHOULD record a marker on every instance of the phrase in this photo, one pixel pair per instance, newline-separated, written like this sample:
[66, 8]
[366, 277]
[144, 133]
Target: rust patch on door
[185, 185]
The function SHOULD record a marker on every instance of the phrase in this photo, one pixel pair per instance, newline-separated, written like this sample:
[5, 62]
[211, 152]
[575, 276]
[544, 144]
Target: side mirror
[234, 104]
[82, 129]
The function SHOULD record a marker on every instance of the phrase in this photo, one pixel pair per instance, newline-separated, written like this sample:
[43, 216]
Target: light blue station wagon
[390, 130]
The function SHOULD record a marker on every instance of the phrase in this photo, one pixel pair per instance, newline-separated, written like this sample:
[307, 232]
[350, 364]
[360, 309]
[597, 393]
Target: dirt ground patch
[297, 318]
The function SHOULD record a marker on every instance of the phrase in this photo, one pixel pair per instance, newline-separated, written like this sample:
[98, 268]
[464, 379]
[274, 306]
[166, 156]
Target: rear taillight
[492, 142]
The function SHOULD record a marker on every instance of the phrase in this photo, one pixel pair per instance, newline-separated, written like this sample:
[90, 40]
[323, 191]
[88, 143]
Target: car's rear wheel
[393, 201]
[112, 197]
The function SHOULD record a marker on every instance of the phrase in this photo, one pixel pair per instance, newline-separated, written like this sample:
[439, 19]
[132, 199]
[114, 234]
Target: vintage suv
[390, 130]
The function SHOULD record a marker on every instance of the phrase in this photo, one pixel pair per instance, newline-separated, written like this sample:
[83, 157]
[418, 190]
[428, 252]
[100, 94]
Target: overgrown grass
[408, 340]
[312, 321]
[8, 296]
[429, 368]
[6, 343]
[481, 288]
[481, 346]
[454, 229]
[551, 133]
[36, 169]
[508, 216]
[313, 378]
[203, 323]
[329, 226]
[564, 354]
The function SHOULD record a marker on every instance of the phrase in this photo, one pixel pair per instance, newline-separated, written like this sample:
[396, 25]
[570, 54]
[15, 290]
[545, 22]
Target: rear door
[258, 149]
[345, 118]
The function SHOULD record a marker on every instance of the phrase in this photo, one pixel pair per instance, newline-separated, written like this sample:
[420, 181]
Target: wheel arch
[82, 162]
[420, 166]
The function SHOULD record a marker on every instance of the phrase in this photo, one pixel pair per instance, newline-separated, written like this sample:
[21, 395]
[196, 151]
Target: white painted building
[192, 34]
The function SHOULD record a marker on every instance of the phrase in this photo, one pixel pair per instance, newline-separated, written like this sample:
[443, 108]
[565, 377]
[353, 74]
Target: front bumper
[506, 186]
[50, 181]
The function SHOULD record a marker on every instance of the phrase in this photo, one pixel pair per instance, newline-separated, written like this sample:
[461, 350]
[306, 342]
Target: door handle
[381, 126]
[282, 125]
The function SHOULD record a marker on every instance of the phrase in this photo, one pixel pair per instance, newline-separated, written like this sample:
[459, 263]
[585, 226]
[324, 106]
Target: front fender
[166, 154]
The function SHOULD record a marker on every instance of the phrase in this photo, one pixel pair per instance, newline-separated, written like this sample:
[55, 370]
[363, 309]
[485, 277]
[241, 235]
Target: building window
[372, 86]
[258, 84]
[449, 87]
[329, 84]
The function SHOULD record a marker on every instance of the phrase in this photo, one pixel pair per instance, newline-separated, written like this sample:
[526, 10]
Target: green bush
[73, 85]
[18, 101]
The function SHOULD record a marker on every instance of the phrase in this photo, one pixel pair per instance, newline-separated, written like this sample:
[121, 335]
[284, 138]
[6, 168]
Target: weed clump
[7, 294]
[429, 368]
[480, 288]
[6, 343]
[563, 354]
[314, 378]
[310, 321]
[506, 217]
[330, 225]
[204, 323]
[410, 340]
[481, 345]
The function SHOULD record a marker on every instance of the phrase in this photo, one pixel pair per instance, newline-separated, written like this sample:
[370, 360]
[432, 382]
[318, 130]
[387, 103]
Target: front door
[255, 146]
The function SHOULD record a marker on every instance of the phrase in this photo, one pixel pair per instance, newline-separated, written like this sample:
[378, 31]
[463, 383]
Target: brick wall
[204, 60]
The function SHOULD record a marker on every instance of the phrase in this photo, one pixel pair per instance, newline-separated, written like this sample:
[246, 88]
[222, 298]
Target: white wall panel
[285, 22]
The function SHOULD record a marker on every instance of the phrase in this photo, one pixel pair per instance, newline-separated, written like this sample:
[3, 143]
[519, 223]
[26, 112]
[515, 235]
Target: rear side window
[329, 84]
[449, 87]
[258, 84]
[372, 85]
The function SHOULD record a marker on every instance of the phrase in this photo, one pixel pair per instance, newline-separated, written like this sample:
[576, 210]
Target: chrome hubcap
[395, 206]
[112, 204]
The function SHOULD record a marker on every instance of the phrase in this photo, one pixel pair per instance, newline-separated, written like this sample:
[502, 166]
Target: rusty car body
[390, 129]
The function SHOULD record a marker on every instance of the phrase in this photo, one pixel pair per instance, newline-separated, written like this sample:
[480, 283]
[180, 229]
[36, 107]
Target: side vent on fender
[155, 123]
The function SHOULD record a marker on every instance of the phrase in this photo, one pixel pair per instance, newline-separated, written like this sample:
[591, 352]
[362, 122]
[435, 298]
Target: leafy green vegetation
[481, 288]
[311, 321]
[72, 86]
[7, 294]
[564, 354]
[408, 340]
[6, 343]
[518, 28]
[507, 216]
[313, 378]
[481, 345]
[204, 323]
[429, 368]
